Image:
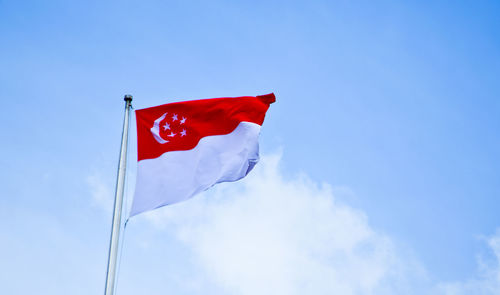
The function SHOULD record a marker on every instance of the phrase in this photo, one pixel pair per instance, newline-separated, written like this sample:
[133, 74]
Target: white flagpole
[117, 211]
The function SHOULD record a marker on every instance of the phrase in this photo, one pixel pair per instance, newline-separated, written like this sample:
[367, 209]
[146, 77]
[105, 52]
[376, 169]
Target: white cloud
[100, 191]
[270, 235]
[487, 282]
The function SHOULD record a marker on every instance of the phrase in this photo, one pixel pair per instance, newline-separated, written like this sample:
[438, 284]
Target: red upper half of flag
[180, 126]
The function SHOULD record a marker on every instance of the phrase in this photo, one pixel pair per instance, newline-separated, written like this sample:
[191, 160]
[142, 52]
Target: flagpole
[117, 211]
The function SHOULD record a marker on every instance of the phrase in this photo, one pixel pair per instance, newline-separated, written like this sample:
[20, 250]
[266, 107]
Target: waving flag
[186, 147]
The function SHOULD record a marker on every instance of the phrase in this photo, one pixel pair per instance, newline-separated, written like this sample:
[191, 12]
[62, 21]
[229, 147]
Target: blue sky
[394, 105]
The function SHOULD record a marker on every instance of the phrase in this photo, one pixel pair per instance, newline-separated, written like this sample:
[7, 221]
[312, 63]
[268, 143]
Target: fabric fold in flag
[184, 148]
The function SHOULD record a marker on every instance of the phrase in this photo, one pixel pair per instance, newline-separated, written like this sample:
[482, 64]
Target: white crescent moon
[155, 130]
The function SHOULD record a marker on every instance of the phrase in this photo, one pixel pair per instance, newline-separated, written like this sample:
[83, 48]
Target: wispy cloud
[486, 282]
[101, 192]
[274, 235]
[270, 235]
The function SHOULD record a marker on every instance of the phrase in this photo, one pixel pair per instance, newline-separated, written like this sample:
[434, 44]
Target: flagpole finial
[127, 97]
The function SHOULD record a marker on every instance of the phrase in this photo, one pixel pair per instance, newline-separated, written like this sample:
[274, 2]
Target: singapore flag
[184, 148]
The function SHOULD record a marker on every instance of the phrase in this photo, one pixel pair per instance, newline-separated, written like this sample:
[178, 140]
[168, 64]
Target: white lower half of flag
[178, 175]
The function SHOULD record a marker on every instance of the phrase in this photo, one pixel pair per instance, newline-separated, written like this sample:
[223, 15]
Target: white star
[166, 126]
[183, 120]
[183, 132]
[171, 134]
[174, 118]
